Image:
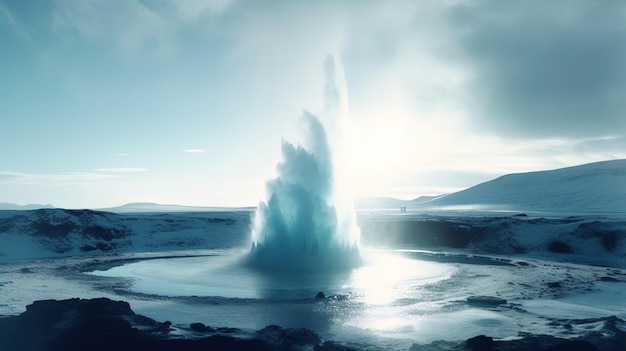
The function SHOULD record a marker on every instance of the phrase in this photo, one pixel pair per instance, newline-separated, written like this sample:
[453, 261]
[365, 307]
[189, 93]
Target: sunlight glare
[385, 277]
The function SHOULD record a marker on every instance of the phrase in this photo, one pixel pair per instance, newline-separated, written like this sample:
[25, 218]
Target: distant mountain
[423, 199]
[365, 203]
[14, 207]
[150, 207]
[377, 203]
[593, 187]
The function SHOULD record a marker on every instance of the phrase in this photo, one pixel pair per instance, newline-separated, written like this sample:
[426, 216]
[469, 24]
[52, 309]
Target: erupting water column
[298, 228]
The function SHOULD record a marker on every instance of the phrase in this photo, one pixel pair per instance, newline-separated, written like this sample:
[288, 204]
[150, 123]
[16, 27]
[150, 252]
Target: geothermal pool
[383, 277]
[395, 299]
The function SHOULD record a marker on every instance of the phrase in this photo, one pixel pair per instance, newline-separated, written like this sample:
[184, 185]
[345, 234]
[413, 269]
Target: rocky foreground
[103, 324]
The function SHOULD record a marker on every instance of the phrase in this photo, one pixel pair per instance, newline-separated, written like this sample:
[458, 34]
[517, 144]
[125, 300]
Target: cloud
[69, 178]
[131, 26]
[66, 178]
[543, 69]
[8, 18]
[138, 27]
[121, 170]
[567, 152]
[192, 9]
[331, 93]
[195, 151]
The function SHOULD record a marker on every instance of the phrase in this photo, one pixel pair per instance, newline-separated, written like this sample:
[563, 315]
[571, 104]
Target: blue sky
[104, 102]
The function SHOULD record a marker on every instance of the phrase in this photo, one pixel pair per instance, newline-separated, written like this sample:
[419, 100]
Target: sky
[106, 102]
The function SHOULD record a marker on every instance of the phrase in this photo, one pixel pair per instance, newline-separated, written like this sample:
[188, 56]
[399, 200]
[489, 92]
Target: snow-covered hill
[376, 203]
[60, 232]
[12, 206]
[591, 239]
[590, 188]
[150, 207]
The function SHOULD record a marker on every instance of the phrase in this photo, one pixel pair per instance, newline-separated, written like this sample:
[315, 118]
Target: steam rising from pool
[298, 227]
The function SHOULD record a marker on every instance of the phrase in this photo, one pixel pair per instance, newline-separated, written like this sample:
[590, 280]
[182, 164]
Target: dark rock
[72, 324]
[530, 342]
[227, 221]
[608, 279]
[574, 345]
[43, 228]
[610, 240]
[288, 338]
[554, 285]
[333, 346]
[226, 330]
[77, 309]
[518, 249]
[103, 324]
[485, 301]
[611, 324]
[320, 295]
[420, 233]
[480, 343]
[103, 233]
[144, 321]
[558, 246]
[87, 248]
[201, 328]
[104, 247]
[99, 325]
[301, 336]
[162, 328]
[609, 234]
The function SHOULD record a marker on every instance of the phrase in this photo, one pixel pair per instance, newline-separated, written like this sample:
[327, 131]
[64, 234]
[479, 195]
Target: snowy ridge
[150, 207]
[12, 206]
[60, 232]
[589, 239]
[594, 187]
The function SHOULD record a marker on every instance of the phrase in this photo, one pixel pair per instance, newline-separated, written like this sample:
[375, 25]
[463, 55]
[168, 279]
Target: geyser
[299, 227]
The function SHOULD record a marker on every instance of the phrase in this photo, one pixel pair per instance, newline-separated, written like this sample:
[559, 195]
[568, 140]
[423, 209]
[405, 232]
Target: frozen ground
[403, 295]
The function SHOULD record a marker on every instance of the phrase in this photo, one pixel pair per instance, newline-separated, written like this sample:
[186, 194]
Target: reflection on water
[387, 277]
